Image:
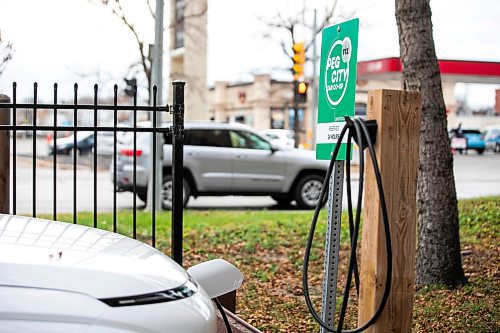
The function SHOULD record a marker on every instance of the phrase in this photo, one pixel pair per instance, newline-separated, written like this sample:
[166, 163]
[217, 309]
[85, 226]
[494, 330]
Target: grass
[268, 246]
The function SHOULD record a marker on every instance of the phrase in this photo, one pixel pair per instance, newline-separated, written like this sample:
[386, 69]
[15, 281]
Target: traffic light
[130, 89]
[299, 59]
[300, 92]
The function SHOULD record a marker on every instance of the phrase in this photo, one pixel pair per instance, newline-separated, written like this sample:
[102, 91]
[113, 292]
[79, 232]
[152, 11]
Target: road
[476, 176]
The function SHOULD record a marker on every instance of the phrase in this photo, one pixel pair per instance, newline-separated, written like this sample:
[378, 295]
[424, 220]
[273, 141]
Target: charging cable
[363, 133]
[223, 315]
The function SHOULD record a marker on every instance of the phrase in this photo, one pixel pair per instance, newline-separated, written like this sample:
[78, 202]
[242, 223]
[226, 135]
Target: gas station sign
[337, 86]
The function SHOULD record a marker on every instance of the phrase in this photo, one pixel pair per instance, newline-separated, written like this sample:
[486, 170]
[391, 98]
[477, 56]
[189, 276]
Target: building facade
[188, 53]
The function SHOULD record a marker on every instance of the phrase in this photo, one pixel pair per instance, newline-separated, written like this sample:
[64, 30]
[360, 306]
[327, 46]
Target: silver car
[225, 159]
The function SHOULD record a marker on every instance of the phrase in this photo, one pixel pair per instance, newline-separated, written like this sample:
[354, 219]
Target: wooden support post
[397, 146]
[228, 301]
[4, 157]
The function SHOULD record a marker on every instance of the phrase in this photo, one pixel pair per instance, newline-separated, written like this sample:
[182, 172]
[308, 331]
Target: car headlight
[186, 290]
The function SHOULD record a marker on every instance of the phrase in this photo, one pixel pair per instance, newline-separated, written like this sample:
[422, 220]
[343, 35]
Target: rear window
[207, 137]
[471, 132]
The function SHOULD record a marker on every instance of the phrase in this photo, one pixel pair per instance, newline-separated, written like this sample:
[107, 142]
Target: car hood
[47, 254]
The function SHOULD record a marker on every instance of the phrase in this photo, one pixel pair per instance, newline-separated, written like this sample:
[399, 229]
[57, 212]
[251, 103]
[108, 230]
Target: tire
[166, 192]
[281, 199]
[480, 151]
[497, 148]
[71, 151]
[308, 190]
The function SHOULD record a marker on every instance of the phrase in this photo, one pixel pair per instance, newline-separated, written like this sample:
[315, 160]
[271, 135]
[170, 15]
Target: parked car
[225, 159]
[280, 137]
[492, 138]
[58, 277]
[474, 139]
[84, 144]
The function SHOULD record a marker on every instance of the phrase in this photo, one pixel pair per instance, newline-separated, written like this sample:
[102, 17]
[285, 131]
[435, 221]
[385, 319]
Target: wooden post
[398, 118]
[4, 157]
[228, 301]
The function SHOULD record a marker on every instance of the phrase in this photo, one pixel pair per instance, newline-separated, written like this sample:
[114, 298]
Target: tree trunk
[438, 251]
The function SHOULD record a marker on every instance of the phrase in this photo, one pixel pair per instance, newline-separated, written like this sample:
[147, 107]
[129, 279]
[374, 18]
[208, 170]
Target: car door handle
[193, 154]
[241, 156]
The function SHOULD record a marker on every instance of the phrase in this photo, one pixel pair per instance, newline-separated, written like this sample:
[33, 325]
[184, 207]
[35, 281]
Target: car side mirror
[218, 277]
[274, 147]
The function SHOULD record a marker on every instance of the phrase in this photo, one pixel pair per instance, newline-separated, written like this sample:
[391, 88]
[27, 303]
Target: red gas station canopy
[451, 70]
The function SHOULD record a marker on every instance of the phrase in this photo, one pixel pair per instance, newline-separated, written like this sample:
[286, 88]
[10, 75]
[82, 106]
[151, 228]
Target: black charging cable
[362, 134]
[223, 314]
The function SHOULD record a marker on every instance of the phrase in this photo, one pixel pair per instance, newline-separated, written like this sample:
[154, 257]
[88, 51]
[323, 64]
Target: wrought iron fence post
[177, 169]
[4, 157]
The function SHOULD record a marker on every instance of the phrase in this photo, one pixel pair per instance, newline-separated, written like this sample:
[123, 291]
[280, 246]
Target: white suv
[225, 159]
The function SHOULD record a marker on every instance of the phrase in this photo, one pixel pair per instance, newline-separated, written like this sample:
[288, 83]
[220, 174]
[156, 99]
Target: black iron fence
[12, 107]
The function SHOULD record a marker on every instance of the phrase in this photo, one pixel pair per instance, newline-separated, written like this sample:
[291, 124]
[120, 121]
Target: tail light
[130, 152]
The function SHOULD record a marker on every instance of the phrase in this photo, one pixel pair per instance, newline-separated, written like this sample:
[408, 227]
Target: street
[476, 176]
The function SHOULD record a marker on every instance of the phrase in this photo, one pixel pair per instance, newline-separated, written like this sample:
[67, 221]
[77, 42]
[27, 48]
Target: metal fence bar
[14, 149]
[85, 106]
[35, 100]
[54, 164]
[115, 125]
[134, 176]
[82, 128]
[75, 123]
[95, 155]
[153, 204]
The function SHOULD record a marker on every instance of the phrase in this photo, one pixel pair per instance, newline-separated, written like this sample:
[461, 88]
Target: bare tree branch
[6, 52]
[289, 25]
[117, 10]
[151, 10]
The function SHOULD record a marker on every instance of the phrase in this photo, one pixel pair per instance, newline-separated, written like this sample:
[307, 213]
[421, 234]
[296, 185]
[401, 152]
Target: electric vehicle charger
[364, 133]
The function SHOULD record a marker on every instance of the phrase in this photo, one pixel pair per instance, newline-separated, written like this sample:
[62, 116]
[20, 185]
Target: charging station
[337, 88]
[385, 278]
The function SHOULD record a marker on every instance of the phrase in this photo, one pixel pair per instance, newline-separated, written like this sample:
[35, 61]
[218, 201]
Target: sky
[68, 41]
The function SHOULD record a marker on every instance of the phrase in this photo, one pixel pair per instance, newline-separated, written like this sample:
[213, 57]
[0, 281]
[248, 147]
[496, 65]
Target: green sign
[337, 86]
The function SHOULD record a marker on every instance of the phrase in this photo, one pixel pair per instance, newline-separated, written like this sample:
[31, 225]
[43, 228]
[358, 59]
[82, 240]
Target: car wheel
[281, 199]
[497, 148]
[480, 151]
[308, 191]
[71, 151]
[166, 192]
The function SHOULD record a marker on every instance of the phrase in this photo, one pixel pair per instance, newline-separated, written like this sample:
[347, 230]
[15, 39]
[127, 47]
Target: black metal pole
[295, 114]
[177, 169]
